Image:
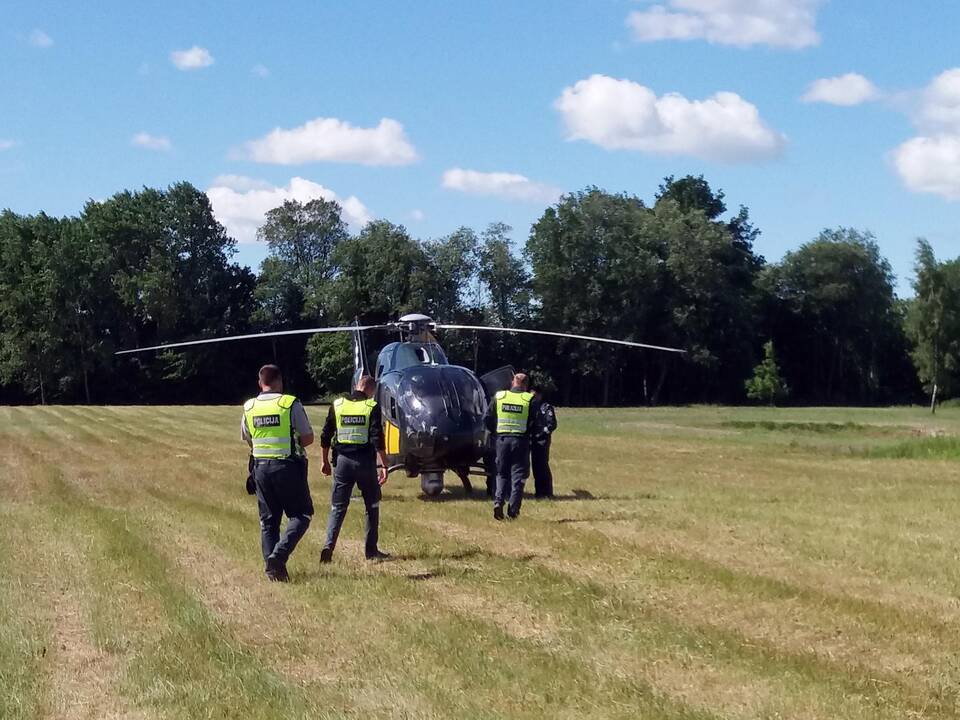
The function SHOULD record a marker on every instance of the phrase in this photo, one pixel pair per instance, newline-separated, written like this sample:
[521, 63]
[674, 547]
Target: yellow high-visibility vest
[513, 412]
[271, 428]
[353, 420]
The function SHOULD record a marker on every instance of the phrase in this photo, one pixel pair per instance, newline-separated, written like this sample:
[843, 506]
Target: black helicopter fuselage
[432, 413]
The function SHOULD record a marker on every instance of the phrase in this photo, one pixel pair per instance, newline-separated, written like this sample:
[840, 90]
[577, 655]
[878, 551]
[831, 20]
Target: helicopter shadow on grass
[458, 494]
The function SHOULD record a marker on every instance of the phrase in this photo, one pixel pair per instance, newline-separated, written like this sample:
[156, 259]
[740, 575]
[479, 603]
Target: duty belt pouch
[251, 485]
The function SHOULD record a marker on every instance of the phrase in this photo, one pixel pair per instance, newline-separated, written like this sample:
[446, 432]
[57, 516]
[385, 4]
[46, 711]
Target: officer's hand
[325, 469]
[382, 475]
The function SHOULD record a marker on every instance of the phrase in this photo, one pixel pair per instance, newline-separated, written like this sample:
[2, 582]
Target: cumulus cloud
[417, 215]
[778, 23]
[39, 39]
[499, 184]
[930, 162]
[930, 165]
[240, 203]
[333, 140]
[260, 71]
[847, 90]
[624, 115]
[191, 59]
[6, 144]
[151, 142]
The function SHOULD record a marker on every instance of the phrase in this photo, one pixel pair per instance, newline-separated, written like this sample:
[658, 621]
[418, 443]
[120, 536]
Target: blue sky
[521, 100]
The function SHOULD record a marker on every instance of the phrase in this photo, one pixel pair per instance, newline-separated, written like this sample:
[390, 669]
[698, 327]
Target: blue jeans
[358, 469]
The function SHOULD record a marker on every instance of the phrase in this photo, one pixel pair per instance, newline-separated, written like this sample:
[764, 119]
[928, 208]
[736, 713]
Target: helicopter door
[497, 380]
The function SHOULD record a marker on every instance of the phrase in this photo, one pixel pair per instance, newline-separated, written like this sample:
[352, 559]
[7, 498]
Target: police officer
[277, 429]
[545, 422]
[510, 417]
[354, 429]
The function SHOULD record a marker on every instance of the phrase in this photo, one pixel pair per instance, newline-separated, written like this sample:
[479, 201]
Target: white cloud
[930, 162]
[39, 39]
[260, 71]
[7, 144]
[333, 140]
[779, 23]
[417, 215]
[191, 59]
[500, 184]
[939, 106]
[930, 165]
[151, 142]
[624, 115]
[240, 203]
[847, 90]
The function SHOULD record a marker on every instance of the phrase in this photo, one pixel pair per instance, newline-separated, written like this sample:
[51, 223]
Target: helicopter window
[393, 407]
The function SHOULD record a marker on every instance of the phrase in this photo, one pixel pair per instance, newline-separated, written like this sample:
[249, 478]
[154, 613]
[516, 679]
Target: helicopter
[432, 410]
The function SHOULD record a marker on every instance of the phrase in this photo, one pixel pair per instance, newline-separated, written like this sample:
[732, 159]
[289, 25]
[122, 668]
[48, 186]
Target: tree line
[154, 266]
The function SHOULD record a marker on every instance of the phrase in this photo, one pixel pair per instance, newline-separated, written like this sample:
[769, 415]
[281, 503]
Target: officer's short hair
[520, 380]
[364, 382]
[269, 374]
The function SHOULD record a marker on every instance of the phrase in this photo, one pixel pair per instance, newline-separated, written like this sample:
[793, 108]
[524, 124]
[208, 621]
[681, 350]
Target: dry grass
[699, 563]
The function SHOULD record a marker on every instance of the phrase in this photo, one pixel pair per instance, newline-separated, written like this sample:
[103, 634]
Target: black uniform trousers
[540, 460]
[282, 489]
[359, 468]
[513, 467]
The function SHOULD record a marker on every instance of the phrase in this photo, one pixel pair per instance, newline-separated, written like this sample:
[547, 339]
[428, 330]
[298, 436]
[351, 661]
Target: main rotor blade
[563, 335]
[254, 336]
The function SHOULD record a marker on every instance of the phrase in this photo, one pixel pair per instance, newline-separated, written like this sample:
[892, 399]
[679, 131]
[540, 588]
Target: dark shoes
[498, 512]
[276, 570]
[512, 515]
[378, 556]
[326, 555]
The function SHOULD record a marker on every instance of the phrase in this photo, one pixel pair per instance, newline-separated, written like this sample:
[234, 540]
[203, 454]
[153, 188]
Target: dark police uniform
[545, 423]
[510, 417]
[273, 423]
[353, 428]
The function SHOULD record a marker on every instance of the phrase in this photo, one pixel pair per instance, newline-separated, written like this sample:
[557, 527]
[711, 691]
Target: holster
[251, 485]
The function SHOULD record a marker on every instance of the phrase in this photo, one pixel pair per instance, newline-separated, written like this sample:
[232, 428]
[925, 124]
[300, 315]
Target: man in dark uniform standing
[545, 422]
[277, 429]
[354, 429]
[511, 417]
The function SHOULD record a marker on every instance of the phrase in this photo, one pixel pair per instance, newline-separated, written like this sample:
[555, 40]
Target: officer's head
[271, 378]
[367, 385]
[521, 382]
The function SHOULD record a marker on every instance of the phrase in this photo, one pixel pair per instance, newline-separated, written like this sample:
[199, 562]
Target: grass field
[699, 563]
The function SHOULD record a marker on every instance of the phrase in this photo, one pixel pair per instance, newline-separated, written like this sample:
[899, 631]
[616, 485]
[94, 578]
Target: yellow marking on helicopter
[392, 438]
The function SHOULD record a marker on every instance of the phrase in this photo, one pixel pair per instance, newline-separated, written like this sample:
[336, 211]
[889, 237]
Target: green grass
[700, 563]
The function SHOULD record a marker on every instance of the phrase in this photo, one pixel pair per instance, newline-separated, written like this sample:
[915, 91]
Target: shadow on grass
[457, 494]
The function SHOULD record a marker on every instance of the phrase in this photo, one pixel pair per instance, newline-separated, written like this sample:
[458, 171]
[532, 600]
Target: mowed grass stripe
[25, 634]
[616, 630]
[596, 590]
[191, 667]
[450, 656]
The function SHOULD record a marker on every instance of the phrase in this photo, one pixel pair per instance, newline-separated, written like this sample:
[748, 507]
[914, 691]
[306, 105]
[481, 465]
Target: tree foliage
[767, 385]
[153, 266]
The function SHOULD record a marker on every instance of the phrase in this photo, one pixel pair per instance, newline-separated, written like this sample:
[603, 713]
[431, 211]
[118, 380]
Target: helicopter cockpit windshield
[397, 356]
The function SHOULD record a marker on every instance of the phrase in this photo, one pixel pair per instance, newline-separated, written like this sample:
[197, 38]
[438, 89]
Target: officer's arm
[245, 431]
[302, 424]
[490, 418]
[329, 429]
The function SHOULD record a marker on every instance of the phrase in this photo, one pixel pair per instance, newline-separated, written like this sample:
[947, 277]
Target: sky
[439, 114]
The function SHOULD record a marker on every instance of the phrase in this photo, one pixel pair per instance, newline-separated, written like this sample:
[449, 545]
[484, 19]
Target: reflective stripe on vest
[353, 420]
[513, 411]
[271, 427]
